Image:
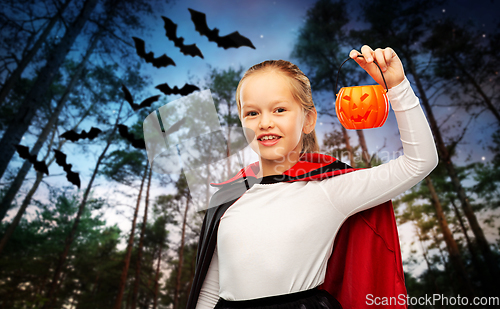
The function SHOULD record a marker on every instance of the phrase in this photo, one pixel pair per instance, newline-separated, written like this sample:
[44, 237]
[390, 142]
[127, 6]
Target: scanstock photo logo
[434, 300]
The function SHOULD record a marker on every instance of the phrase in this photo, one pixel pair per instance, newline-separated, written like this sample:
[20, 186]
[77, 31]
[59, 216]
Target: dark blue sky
[272, 26]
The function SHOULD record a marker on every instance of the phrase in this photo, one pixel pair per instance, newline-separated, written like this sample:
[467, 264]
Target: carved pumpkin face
[362, 107]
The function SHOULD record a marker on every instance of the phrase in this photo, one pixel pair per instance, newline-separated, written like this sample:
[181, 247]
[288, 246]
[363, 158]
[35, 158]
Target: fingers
[354, 53]
[356, 56]
[363, 58]
[367, 56]
[380, 58]
[367, 52]
[386, 59]
[388, 53]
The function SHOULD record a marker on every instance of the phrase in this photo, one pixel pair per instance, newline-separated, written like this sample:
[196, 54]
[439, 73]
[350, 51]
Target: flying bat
[171, 34]
[185, 90]
[136, 143]
[24, 152]
[72, 177]
[234, 39]
[159, 62]
[145, 103]
[73, 136]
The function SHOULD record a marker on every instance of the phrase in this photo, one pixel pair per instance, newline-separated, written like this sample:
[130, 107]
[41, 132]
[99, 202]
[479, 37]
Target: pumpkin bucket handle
[338, 74]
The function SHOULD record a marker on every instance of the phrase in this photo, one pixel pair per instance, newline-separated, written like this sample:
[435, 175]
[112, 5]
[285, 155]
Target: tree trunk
[470, 246]
[348, 147]
[485, 275]
[157, 277]
[429, 265]
[16, 74]
[447, 269]
[193, 268]
[455, 258]
[70, 237]
[22, 120]
[27, 198]
[364, 154]
[141, 240]
[20, 212]
[21, 175]
[123, 278]
[445, 156]
[181, 256]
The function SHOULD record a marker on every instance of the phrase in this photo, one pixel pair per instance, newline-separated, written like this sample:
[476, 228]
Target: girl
[270, 246]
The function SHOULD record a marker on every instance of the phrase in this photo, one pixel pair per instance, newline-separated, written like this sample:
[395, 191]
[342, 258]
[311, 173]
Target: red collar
[308, 162]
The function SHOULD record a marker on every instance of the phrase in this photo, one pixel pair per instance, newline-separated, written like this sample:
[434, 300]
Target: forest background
[125, 237]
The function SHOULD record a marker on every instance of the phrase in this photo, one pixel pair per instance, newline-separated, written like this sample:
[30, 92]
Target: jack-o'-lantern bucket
[362, 107]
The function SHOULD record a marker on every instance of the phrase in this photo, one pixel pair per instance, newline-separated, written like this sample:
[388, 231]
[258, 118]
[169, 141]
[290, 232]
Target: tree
[464, 60]
[28, 260]
[71, 235]
[30, 51]
[16, 184]
[141, 242]
[322, 46]
[487, 175]
[159, 236]
[223, 84]
[400, 24]
[123, 277]
[427, 191]
[111, 22]
[188, 268]
[21, 121]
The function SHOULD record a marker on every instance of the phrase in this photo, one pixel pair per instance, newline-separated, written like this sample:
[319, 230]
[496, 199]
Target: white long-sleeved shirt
[277, 238]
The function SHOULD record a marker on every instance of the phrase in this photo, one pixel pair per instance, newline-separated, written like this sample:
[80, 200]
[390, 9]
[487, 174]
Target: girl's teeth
[269, 137]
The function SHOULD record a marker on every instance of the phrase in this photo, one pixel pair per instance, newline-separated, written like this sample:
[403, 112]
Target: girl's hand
[388, 61]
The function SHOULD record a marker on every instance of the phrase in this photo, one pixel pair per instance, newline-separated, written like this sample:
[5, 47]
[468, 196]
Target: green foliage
[487, 175]
[323, 44]
[32, 254]
[124, 166]
[222, 85]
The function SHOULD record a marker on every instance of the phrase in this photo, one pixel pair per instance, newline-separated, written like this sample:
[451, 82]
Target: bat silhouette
[159, 62]
[145, 103]
[72, 177]
[73, 136]
[234, 39]
[171, 34]
[24, 152]
[185, 90]
[136, 143]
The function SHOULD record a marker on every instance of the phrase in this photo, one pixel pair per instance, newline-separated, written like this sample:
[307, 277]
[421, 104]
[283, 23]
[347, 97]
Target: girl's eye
[280, 109]
[252, 114]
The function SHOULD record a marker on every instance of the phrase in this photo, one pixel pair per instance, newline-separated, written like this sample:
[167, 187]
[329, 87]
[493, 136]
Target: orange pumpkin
[362, 107]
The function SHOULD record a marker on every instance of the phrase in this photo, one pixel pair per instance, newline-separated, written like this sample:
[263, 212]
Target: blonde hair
[300, 88]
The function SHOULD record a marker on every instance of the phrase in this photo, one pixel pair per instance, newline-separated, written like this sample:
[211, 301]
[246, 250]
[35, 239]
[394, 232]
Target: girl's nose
[266, 122]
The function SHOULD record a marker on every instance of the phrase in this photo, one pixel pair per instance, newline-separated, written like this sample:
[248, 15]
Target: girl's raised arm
[362, 189]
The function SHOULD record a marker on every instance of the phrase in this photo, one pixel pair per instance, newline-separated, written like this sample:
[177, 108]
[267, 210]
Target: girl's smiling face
[269, 109]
